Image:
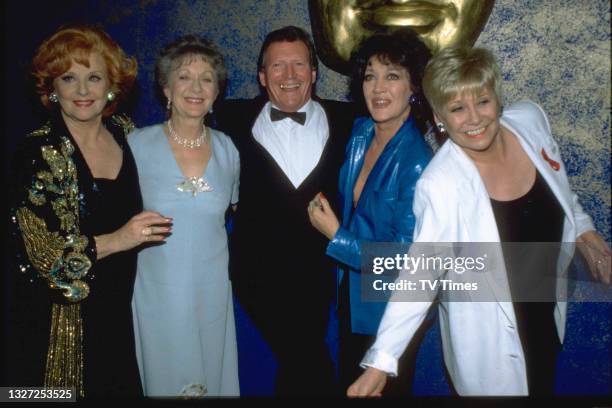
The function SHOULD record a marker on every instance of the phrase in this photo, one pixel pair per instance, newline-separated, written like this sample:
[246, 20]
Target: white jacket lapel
[478, 214]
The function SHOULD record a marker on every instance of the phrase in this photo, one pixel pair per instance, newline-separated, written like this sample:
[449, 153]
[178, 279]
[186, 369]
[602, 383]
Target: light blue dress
[183, 312]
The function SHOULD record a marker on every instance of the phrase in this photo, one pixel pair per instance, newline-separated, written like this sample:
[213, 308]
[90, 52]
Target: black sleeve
[44, 219]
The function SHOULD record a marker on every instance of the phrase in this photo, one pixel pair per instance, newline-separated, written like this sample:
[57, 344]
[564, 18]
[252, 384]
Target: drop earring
[110, 96]
[53, 97]
[441, 127]
[169, 104]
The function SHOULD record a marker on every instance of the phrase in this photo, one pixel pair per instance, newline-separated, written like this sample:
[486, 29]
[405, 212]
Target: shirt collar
[308, 107]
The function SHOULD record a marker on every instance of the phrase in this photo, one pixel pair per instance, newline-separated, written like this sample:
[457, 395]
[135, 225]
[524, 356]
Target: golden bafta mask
[339, 26]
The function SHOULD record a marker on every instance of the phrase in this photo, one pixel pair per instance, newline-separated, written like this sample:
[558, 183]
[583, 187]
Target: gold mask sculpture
[339, 26]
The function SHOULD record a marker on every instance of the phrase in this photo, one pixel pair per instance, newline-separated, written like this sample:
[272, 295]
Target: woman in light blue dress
[183, 312]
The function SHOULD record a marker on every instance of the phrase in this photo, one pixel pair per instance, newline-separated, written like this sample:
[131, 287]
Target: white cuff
[380, 360]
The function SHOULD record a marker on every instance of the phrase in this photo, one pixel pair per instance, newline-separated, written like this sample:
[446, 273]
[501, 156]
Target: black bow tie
[299, 117]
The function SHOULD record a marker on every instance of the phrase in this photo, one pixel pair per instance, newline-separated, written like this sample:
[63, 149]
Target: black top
[536, 217]
[109, 347]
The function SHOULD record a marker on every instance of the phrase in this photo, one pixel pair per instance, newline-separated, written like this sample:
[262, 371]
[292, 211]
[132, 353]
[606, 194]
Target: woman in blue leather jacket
[385, 156]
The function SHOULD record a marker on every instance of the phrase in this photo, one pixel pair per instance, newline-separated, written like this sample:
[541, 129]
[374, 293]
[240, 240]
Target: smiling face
[287, 75]
[192, 88]
[339, 26]
[82, 91]
[386, 90]
[472, 120]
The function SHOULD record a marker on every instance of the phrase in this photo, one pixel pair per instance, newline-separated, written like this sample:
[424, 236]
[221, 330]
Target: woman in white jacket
[499, 178]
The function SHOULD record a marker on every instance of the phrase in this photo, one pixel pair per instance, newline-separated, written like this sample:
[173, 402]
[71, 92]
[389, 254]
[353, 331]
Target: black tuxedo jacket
[277, 259]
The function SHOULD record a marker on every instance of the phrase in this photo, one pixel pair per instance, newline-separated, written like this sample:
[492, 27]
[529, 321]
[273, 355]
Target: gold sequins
[56, 162]
[42, 131]
[44, 248]
[76, 265]
[125, 122]
[65, 354]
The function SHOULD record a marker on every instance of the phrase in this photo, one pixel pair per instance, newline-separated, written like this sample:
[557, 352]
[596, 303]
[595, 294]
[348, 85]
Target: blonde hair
[75, 43]
[456, 70]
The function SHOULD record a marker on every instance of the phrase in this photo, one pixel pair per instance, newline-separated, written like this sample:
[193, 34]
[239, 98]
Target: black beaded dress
[69, 316]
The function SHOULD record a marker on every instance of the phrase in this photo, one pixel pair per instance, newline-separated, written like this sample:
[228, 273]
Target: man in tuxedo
[291, 147]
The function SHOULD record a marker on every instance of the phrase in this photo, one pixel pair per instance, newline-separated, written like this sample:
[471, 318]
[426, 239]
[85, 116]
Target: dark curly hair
[403, 48]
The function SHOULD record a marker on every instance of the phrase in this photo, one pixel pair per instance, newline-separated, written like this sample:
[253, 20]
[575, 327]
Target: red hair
[75, 43]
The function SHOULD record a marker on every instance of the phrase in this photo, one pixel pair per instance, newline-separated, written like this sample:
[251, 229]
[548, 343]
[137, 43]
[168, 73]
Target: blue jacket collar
[362, 135]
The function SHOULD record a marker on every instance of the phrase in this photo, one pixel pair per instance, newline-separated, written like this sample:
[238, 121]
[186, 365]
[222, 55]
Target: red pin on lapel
[555, 165]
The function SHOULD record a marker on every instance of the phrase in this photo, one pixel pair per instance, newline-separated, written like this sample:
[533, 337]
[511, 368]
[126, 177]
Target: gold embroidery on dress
[59, 257]
[63, 170]
[36, 197]
[65, 355]
[42, 131]
[65, 215]
[75, 291]
[79, 242]
[125, 122]
[44, 248]
[66, 147]
[60, 260]
[45, 176]
[56, 162]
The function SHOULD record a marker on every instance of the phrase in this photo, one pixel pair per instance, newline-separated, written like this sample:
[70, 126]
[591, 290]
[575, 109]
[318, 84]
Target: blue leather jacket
[384, 210]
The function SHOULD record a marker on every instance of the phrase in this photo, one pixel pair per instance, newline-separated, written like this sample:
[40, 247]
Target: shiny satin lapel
[360, 143]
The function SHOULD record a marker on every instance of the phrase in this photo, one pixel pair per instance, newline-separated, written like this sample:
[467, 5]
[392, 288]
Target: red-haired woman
[77, 217]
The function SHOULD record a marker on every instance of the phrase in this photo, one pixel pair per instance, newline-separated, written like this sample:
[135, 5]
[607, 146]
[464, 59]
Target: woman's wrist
[105, 245]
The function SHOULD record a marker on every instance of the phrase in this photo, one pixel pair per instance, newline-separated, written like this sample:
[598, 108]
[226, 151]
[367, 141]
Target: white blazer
[482, 348]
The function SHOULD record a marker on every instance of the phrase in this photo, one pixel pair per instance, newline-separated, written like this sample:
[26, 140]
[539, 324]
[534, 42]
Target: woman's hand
[369, 384]
[322, 217]
[148, 226]
[597, 254]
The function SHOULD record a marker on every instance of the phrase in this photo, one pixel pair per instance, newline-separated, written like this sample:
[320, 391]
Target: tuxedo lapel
[328, 149]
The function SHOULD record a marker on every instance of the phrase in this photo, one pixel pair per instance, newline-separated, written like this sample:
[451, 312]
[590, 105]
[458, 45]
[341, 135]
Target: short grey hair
[183, 51]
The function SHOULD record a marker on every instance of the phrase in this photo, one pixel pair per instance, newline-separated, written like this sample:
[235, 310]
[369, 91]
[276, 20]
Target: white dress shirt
[295, 148]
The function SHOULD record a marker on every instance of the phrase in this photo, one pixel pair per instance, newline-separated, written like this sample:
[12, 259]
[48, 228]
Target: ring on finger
[146, 231]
